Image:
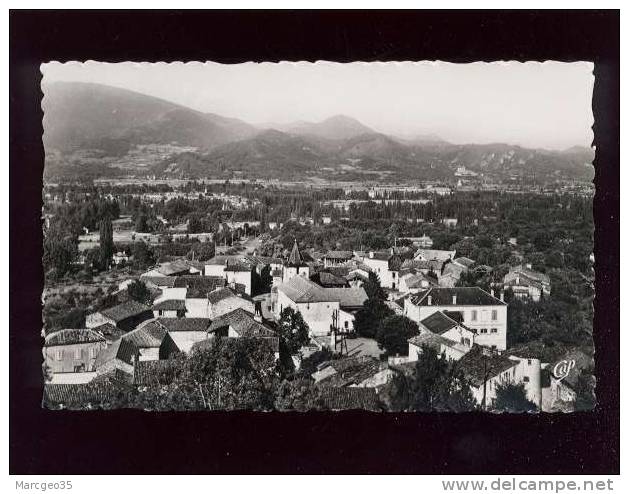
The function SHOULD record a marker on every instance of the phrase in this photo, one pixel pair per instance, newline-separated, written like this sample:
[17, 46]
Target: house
[225, 300]
[526, 283]
[70, 354]
[330, 279]
[147, 339]
[479, 311]
[175, 268]
[242, 324]
[434, 255]
[170, 308]
[423, 242]
[121, 258]
[387, 266]
[323, 309]
[413, 281]
[120, 355]
[444, 332]
[336, 258]
[182, 334]
[153, 282]
[235, 270]
[124, 316]
[450, 222]
[295, 265]
[485, 370]
[364, 371]
[110, 332]
[563, 373]
[193, 290]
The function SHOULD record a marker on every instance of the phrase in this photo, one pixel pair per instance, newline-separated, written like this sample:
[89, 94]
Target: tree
[373, 288]
[201, 251]
[436, 385]
[511, 397]
[394, 332]
[368, 318]
[293, 330]
[143, 255]
[106, 243]
[262, 282]
[139, 292]
[60, 250]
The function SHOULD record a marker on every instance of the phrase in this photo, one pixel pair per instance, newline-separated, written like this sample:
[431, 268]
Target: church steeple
[295, 258]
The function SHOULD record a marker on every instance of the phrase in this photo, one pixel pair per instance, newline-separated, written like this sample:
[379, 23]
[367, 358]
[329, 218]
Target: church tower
[295, 266]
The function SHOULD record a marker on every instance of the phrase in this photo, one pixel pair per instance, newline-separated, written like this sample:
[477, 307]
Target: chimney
[429, 299]
[502, 296]
[454, 299]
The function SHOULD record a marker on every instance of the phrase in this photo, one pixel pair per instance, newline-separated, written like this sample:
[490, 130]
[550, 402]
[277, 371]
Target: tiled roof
[324, 279]
[295, 258]
[430, 339]
[243, 323]
[109, 331]
[464, 296]
[530, 274]
[122, 349]
[125, 311]
[159, 281]
[221, 294]
[436, 266]
[114, 376]
[175, 304]
[81, 395]
[238, 267]
[465, 261]
[349, 297]
[200, 283]
[173, 268]
[474, 365]
[339, 254]
[349, 399]
[184, 324]
[438, 323]
[300, 289]
[72, 337]
[147, 335]
[350, 371]
[435, 254]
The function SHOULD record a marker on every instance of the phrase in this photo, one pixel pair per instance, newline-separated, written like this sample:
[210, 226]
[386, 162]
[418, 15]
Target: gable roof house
[182, 334]
[70, 354]
[445, 332]
[479, 311]
[386, 265]
[321, 308]
[434, 255]
[170, 308]
[119, 356]
[124, 316]
[147, 338]
[526, 283]
[363, 371]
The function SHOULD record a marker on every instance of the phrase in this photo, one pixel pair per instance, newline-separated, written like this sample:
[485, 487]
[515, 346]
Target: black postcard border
[133, 442]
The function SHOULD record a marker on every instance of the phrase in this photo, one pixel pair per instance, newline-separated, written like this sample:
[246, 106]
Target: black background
[45, 442]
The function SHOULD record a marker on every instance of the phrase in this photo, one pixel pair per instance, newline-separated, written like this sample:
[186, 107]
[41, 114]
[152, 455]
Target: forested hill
[91, 129]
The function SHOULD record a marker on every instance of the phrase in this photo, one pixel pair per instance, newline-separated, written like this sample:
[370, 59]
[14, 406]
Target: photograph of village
[401, 237]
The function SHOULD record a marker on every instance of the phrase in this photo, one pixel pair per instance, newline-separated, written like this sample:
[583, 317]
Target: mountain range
[97, 129]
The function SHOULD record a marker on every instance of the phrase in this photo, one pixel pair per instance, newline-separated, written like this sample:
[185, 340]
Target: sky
[532, 104]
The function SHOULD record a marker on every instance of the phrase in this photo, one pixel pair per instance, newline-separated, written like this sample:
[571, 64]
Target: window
[483, 330]
[93, 352]
[161, 312]
[526, 379]
[346, 324]
[77, 354]
[474, 315]
[494, 315]
[528, 361]
[59, 355]
[494, 330]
